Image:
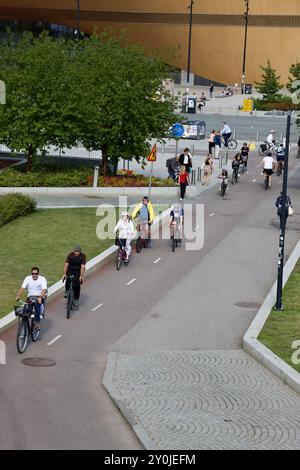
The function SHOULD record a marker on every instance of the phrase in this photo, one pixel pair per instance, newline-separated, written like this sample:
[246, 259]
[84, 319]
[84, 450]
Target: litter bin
[192, 105]
[248, 89]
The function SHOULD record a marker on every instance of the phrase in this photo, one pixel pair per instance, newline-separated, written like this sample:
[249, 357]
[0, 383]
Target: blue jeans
[37, 310]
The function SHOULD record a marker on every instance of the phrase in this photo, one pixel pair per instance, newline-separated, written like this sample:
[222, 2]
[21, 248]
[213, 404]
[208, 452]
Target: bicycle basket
[117, 242]
[23, 311]
[263, 147]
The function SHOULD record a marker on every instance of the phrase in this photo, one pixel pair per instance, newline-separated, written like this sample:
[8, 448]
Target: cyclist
[74, 266]
[236, 165]
[145, 213]
[36, 286]
[245, 154]
[226, 133]
[268, 163]
[224, 177]
[271, 139]
[125, 229]
[176, 219]
[280, 154]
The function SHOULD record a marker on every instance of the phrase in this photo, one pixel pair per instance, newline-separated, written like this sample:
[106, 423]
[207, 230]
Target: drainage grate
[254, 305]
[38, 362]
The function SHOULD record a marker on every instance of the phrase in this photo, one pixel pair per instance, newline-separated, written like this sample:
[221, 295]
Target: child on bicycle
[224, 177]
[176, 220]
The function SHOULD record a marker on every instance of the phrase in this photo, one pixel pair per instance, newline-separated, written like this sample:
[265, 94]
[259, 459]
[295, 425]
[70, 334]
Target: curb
[260, 352]
[91, 267]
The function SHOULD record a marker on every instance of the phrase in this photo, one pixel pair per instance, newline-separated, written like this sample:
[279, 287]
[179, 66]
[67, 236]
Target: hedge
[72, 177]
[15, 205]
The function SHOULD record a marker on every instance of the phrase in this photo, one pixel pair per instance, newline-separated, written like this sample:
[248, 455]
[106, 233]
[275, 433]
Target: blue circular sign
[177, 130]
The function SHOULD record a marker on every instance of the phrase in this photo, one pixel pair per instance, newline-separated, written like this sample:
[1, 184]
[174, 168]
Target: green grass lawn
[44, 239]
[283, 328]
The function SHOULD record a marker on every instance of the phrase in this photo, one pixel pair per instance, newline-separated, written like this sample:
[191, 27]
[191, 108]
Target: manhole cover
[254, 305]
[38, 362]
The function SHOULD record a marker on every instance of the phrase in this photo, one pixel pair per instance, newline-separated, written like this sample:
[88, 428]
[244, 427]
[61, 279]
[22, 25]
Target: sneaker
[75, 304]
[66, 295]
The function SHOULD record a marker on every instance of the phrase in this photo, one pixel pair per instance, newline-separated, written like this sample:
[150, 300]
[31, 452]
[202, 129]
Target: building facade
[217, 34]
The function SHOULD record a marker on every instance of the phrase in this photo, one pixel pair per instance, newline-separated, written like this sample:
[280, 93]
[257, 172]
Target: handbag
[291, 211]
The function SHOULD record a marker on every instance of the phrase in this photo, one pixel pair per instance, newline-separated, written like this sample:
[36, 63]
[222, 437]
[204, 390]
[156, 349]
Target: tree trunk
[29, 158]
[105, 161]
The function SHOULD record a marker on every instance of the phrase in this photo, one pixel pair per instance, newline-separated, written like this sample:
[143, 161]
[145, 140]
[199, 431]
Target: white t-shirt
[270, 139]
[268, 163]
[34, 286]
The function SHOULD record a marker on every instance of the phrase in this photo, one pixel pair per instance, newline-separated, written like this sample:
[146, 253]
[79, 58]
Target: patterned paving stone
[204, 400]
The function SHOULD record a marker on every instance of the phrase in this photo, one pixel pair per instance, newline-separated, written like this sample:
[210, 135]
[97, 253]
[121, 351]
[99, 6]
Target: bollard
[193, 177]
[193, 149]
[96, 176]
[234, 133]
[163, 149]
[281, 136]
[199, 174]
[257, 136]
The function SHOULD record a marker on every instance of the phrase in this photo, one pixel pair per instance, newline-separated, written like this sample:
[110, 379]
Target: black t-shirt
[75, 263]
[245, 151]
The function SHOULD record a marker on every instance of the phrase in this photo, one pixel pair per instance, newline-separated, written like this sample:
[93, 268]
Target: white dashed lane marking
[131, 282]
[54, 340]
[96, 308]
[156, 261]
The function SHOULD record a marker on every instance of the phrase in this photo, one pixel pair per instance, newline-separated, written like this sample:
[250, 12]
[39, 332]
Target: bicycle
[267, 181]
[298, 153]
[143, 236]
[121, 255]
[70, 296]
[231, 143]
[175, 235]
[279, 167]
[26, 313]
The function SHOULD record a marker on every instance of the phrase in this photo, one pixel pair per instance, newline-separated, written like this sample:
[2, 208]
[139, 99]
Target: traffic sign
[177, 130]
[152, 154]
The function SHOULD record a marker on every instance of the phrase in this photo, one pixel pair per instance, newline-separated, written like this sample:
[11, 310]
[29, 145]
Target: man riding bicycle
[74, 266]
[226, 133]
[236, 165]
[176, 221]
[36, 286]
[145, 213]
[271, 140]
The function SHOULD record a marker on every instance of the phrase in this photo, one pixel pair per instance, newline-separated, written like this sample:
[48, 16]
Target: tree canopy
[100, 91]
[270, 84]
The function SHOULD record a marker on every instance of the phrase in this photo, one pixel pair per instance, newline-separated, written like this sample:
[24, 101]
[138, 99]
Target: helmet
[272, 131]
[124, 213]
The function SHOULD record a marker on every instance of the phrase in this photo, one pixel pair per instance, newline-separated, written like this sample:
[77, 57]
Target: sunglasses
[35, 274]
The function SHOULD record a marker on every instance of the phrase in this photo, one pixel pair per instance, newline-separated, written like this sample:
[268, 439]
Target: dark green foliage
[15, 205]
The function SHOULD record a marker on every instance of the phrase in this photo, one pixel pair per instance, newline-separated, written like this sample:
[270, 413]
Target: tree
[295, 76]
[124, 103]
[40, 107]
[270, 85]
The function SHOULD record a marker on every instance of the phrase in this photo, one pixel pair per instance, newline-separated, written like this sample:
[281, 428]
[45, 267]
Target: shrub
[15, 205]
[282, 103]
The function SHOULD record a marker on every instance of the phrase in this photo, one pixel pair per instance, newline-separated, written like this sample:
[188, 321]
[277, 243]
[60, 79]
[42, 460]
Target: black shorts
[268, 172]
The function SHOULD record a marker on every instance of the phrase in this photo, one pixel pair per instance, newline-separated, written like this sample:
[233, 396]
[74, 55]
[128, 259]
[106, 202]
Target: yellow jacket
[137, 209]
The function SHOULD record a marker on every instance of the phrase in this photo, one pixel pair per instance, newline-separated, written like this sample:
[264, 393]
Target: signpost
[152, 158]
[177, 131]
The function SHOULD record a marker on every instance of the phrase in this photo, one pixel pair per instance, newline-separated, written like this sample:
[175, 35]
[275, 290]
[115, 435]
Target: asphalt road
[66, 406]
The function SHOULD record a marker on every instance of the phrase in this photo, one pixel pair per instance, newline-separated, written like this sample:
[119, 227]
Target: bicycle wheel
[267, 182]
[22, 335]
[119, 259]
[70, 301]
[138, 245]
[35, 333]
[232, 178]
[232, 144]
[261, 152]
[173, 244]
[223, 189]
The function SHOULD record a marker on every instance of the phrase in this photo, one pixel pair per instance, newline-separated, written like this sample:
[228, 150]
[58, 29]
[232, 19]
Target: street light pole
[77, 31]
[190, 40]
[283, 216]
[246, 18]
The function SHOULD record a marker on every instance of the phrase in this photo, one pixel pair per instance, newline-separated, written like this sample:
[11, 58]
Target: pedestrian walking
[218, 144]
[211, 90]
[207, 168]
[183, 181]
[211, 141]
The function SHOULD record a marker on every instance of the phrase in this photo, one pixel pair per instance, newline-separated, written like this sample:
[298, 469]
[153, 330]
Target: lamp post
[190, 40]
[283, 216]
[246, 18]
[77, 30]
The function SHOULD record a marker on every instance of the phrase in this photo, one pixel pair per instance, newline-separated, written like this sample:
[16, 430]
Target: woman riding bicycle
[176, 221]
[125, 230]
